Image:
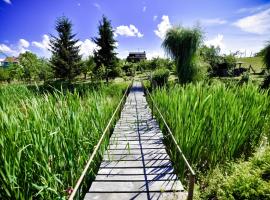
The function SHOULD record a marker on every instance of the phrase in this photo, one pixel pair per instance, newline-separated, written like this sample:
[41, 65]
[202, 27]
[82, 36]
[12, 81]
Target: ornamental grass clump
[214, 123]
[46, 139]
[182, 44]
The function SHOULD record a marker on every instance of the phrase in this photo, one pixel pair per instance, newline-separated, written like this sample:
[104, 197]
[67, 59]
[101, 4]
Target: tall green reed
[214, 123]
[46, 139]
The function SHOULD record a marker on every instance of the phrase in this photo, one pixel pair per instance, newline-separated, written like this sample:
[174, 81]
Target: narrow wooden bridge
[136, 164]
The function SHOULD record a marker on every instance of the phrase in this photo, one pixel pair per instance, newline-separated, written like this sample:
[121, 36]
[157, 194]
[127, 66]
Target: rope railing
[77, 189]
[192, 173]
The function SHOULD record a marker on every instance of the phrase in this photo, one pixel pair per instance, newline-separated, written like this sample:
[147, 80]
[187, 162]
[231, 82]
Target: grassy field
[214, 123]
[255, 62]
[46, 139]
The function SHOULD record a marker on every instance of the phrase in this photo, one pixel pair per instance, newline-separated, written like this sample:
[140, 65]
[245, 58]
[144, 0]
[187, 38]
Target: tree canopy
[65, 60]
[105, 55]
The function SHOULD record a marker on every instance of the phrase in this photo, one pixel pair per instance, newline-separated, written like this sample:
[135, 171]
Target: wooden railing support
[192, 173]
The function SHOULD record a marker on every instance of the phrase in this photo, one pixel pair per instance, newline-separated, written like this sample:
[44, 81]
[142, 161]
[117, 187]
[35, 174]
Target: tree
[44, 71]
[29, 62]
[88, 66]
[65, 60]
[182, 45]
[266, 61]
[105, 55]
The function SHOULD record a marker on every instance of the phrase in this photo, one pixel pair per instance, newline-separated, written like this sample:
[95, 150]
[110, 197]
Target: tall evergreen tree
[65, 60]
[105, 55]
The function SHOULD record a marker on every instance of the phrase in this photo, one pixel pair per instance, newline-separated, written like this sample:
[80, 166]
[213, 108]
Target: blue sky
[139, 24]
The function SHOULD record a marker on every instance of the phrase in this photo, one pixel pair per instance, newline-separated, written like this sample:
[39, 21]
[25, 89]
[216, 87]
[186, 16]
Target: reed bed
[214, 123]
[46, 139]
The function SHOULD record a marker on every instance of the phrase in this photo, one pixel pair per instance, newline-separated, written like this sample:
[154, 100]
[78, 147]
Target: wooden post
[191, 186]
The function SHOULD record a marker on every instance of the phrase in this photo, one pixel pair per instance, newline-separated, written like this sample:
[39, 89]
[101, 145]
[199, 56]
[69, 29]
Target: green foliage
[130, 68]
[46, 139]
[210, 55]
[240, 180]
[105, 54]
[266, 56]
[266, 61]
[65, 59]
[220, 65]
[29, 63]
[44, 71]
[4, 76]
[182, 45]
[88, 66]
[214, 123]
[160, 77]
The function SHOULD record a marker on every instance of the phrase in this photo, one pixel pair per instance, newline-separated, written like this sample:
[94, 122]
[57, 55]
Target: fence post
[191, 186]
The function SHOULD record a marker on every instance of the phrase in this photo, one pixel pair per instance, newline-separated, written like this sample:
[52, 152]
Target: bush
[240, 180]
[160, 77]
[3, 74]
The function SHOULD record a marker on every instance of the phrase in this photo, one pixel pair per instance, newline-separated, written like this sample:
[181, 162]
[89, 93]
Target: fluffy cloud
[15, 50]
[163, 26]
[258, 23]
[23, 43]
[86, 47]
[7, 50]
[128, 31]
[155, 18]
[44, 44]
[7, 1]
[211, 22]
[216, 42]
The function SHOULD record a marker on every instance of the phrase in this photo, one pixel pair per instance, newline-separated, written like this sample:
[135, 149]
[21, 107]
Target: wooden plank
[136, 164]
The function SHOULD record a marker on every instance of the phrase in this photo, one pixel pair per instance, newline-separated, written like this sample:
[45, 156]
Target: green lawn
[255, 62]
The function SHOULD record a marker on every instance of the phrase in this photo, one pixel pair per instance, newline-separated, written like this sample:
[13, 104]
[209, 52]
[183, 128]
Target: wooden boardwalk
[136, 165]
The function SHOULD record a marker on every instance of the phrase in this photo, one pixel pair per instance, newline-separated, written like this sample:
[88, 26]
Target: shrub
[240, 180]
[160, 77]
[182, 45]
[3, 74]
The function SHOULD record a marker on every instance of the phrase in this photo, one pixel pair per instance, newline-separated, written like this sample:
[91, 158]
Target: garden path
[136, 164]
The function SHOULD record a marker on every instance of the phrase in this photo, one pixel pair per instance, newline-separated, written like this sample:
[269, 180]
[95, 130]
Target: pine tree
[105, 55]
[65, 59]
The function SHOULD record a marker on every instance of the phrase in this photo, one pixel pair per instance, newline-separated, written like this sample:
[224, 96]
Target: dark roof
[137, 52]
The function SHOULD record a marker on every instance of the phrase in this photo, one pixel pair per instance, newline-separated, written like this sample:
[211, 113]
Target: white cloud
[144, 8]
[253, 9]
[7, 1]
[155, 18]
[87, 47]
[163, 26]
[128, 31]
[44, 44]
[7, 50]
[155, 53]
[214, 21]
[258, 23]
[23, 43]
[216, 42]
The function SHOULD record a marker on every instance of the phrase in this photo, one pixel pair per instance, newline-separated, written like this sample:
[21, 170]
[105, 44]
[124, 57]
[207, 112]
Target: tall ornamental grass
[46, 139]
[181, 44]
[213, 124]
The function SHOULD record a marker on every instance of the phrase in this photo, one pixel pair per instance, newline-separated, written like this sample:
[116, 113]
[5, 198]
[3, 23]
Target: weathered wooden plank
[136, 164]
